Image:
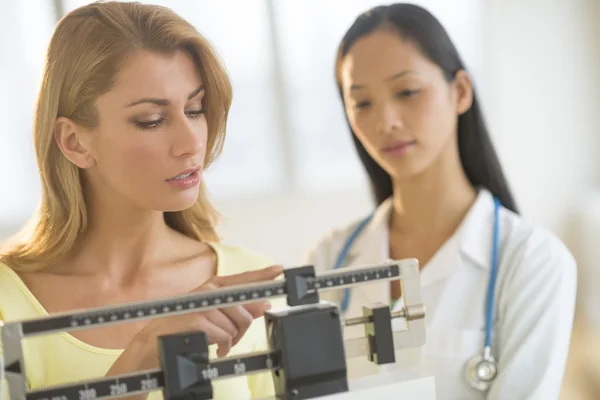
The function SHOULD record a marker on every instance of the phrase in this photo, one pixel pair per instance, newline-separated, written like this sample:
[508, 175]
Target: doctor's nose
[388, 119]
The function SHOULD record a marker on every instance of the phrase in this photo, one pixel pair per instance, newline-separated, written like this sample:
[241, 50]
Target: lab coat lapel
[443, 263]
[476, 238]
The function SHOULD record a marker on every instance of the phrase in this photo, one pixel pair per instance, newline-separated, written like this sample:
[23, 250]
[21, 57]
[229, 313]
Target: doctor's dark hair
[478, 157]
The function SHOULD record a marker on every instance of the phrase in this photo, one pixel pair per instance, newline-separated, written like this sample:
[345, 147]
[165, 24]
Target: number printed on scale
[210, 373]
[87, 394]
[118, 389]
[149, 384]
[239, 368]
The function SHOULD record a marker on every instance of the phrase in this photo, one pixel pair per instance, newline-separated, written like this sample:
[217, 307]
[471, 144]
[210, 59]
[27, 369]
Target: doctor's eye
[407, 93]
[362, 104]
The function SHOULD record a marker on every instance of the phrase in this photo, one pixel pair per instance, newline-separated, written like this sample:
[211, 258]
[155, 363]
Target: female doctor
[499, 292]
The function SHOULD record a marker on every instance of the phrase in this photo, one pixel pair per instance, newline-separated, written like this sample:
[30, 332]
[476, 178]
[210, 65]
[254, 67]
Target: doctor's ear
[74, 142]
[463, 92]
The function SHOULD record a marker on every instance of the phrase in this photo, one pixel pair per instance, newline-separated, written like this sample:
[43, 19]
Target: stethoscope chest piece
[481, 370]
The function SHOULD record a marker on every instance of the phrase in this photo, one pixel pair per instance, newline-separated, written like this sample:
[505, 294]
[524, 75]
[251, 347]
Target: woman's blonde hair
[85, 53]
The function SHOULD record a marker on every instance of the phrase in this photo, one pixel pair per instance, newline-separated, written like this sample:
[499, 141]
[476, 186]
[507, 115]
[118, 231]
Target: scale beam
[296, 285]
[293, 333]
[150, 380]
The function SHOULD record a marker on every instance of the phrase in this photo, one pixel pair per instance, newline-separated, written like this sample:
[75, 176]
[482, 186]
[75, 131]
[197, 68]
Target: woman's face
[399, 104]
[149, 146]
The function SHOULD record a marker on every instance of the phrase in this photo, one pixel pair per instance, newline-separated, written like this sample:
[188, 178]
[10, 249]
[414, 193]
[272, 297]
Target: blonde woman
[132, 108]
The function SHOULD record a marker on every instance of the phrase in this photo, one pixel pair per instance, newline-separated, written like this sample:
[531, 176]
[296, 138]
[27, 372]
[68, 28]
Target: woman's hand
[224, 327]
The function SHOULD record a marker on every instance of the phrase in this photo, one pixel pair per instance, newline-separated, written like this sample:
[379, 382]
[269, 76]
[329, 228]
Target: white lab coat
[534, 305]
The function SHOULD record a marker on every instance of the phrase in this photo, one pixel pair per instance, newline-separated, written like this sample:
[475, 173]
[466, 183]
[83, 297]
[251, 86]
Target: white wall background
[23, 38]
[543, 71]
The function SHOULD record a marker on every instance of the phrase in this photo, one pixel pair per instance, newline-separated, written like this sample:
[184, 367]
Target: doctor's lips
[398, 147]
[185, 179]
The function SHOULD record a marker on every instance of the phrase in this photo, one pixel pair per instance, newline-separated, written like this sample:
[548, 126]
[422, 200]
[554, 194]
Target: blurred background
[288, 173]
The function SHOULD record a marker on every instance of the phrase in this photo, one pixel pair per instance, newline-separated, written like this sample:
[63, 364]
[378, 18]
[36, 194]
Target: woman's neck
[433, 203]
[120, 243]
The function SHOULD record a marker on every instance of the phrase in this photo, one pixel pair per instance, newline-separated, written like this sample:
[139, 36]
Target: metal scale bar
[200, 301]
[146, 381]
[151, 380]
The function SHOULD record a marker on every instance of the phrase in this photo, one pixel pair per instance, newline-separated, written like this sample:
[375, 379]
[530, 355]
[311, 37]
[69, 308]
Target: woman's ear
[71, 141]
[463, 88]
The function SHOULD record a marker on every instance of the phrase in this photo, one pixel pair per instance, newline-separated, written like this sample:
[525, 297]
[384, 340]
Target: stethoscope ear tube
[482, 369]
[341, 258]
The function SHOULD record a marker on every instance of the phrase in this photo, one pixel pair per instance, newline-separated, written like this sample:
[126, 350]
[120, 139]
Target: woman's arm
[535, 321]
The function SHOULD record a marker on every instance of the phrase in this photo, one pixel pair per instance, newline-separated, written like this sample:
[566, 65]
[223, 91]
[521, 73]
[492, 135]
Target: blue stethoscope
[482, 369]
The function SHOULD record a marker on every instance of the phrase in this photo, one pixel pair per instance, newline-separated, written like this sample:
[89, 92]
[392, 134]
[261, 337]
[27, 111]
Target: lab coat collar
[471, 241]
[474, 234]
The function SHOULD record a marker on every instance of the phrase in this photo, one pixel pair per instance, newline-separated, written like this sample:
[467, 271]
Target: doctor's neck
[433, 202]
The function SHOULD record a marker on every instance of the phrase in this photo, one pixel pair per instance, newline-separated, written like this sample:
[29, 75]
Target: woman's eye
[195, 113]
[148, 125]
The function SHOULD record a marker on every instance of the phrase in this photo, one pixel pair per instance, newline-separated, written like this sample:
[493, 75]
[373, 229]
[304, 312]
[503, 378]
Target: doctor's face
[398, 103]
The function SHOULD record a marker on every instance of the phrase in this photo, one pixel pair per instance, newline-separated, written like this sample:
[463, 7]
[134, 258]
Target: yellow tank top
[61, 358]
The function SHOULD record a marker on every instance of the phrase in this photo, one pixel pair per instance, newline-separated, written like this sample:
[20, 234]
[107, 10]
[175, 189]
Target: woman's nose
[190, 138]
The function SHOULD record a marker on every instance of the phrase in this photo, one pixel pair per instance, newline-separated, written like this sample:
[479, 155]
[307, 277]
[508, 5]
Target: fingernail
[267, 306]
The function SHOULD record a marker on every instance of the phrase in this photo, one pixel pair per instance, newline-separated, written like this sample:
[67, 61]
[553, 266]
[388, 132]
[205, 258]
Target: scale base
[394, 385]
